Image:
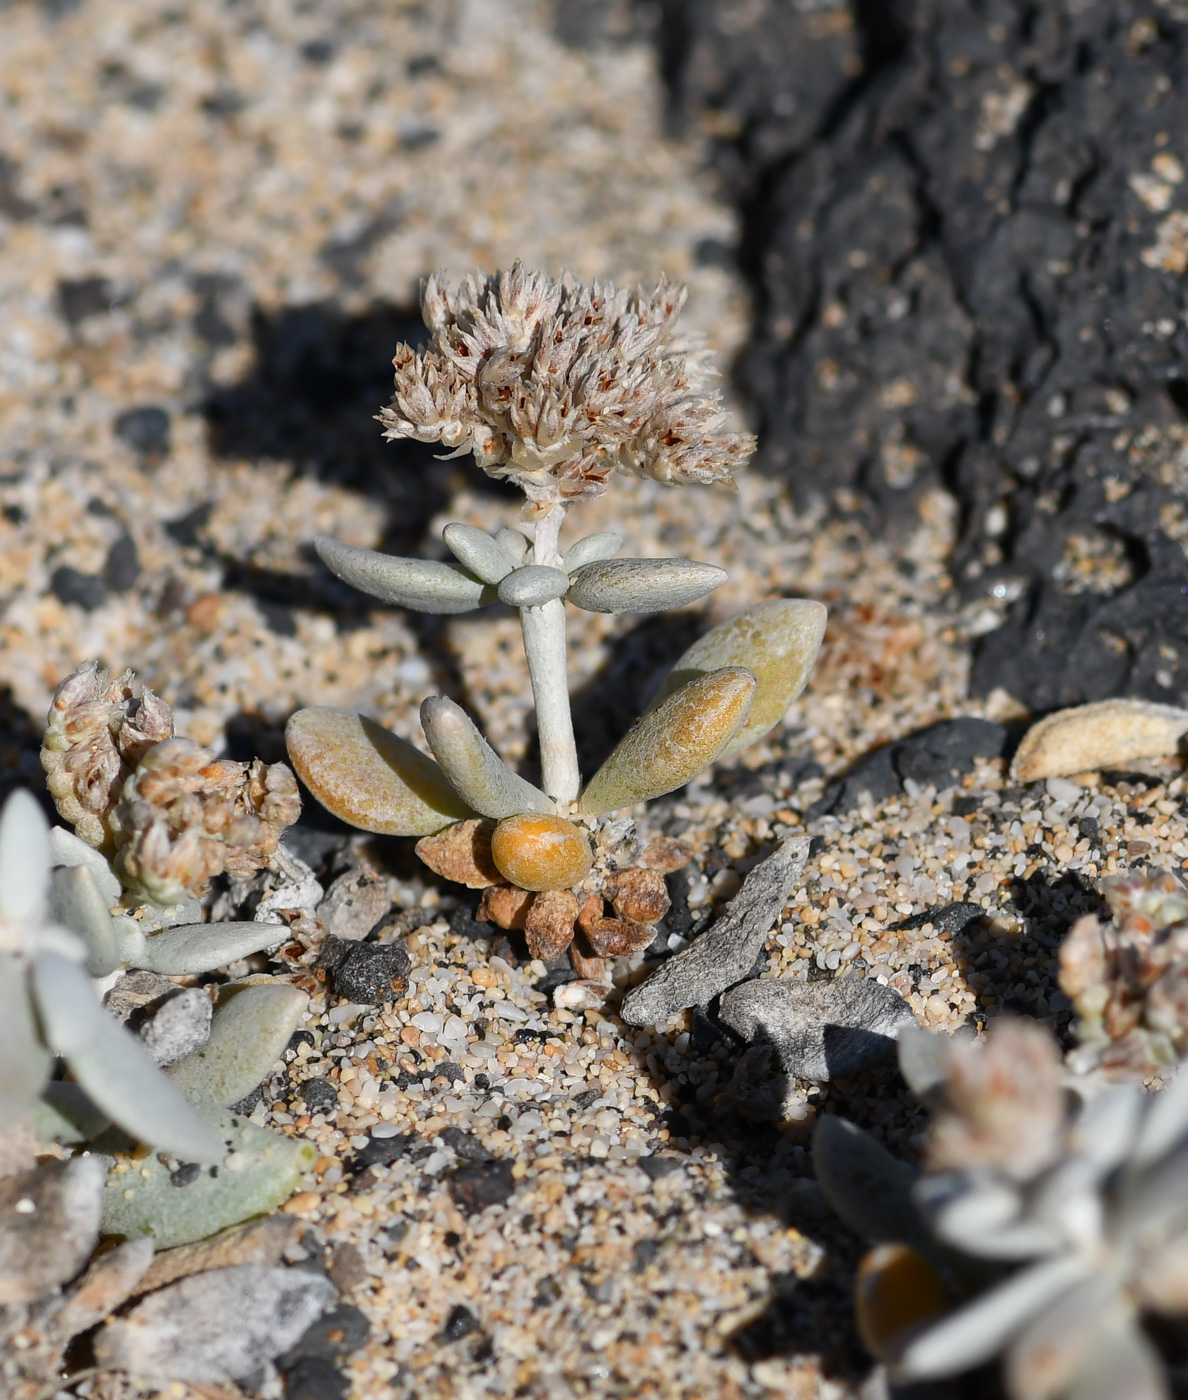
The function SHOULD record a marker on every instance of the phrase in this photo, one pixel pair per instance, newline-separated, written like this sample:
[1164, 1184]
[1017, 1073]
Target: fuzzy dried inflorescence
[167, 813]
[1128, 978]
[556, 385]
[97, 731]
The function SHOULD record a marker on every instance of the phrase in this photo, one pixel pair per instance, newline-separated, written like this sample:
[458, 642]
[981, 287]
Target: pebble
[366, 973]
[49, 1223]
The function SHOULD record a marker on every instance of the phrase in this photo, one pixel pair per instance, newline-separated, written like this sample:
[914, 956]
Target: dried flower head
[1128, 978]
[556, 384]
[186, 816]
[96, 733]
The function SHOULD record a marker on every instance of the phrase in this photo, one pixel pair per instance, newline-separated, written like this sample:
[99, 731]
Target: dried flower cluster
[556, 384]
[166, 812]
[1128, 978]
[97, 731]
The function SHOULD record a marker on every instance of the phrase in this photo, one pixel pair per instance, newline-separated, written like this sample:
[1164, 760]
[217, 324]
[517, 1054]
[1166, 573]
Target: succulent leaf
[777, 642]
[474, 769]
[370, 777]
[251, 1027]
[202, 947]
[24, 859]
[257, 1170]
[532, 585]
[478, 552]
[869, 1188]
[1044, 1361]
[516, 544]
[424, 585]
[642, 585]
[69, 850]
[111, 1066]
[25, 1060]
[75, 900]
[593, 547]
[673, 743]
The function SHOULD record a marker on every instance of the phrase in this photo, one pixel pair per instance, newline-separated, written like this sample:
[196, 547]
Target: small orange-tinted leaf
[896, 1293]
[462, 853]
[368, 776]
[541, 852]
[674, 742]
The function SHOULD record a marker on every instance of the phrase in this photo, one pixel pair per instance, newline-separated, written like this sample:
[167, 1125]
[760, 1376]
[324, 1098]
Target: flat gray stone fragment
[725, 953]
[49, 1222]
[178, 1026]
[820, 1030]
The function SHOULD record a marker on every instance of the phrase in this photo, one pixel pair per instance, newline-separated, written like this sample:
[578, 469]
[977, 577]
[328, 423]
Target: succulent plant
[554, 386]
[1048, 1221]
[1128, 978]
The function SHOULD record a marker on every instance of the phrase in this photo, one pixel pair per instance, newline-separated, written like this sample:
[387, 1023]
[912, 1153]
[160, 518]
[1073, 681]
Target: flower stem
[544, 645]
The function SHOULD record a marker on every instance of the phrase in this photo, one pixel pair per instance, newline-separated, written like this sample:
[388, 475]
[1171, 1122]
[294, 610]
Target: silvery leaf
[76, 901]
[973, 1334]
[673, 743]
[1165, 1123]
[777, 642]
[178, 952]
[129, 940]
[924, 1060]
[424, 585]
[532, 585]
[65, 1114]
[1123, 1363]
[642, 585]
[1107, 1127]
[24, 859]
[251, 1027]
[516, 544]
[474, 769]
[43, 1247]
[590, 549]
[1046, 1358]
[25, 1060]
[69, 850]
[111, 1066]
[370, 777]
[869, 1188]
[217, 1326]
[256, 1171]
[476, 551]
[983, 1216]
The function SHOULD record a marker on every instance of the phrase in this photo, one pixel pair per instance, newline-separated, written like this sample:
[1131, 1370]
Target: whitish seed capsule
[896, 1293]
[541, 852]
[673, 743]
[777, 642]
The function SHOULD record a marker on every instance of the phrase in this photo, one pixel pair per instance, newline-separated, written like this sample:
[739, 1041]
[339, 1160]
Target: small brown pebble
[595, 969]
[549, 923]
[616, 938]
[593, 908]
[504, 905]
[665, 854]
[462, 853]
[639, 896]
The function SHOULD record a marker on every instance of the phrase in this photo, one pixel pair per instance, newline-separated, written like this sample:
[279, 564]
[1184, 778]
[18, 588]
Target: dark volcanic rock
[368, 973]
[476, 1185]
[963, 221]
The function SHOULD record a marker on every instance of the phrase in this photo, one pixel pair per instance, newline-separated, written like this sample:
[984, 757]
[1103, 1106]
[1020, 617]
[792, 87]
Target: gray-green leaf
[424, 585]
[251, 1027]
[642, 585]
[76, 901]
[532, 585]
[477, 773]
[869, 1189]
[25, 1060]
[193, 948]
[777, 642]
[586, 551]
[476, 551]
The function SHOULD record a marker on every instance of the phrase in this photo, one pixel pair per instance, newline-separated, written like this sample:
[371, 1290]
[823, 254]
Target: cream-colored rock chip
[1108, 734]
[369, 776]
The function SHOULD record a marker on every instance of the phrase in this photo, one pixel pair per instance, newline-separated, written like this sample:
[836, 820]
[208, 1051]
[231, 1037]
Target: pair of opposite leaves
[727, 691]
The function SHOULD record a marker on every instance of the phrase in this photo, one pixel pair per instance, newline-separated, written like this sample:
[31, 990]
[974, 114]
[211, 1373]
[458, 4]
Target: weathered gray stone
[725, 953]
[820, 1030]
[49, 1222]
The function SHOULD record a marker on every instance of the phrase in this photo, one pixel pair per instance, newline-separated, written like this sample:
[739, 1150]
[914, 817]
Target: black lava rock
[146, 430]
[465, 1144]
[961, 223]
[319, 1095]
[334, 1335]
[85, 590]
[122, 567]
[460, 1323]
[380, 1152]
[477, 1185]
[945, 918]
[368, 973]
[314, 1378]
[88, 296]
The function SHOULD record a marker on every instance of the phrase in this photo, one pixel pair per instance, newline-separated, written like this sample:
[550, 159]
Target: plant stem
[544, 645]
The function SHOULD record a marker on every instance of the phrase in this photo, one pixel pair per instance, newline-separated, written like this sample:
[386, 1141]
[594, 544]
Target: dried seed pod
[462, 853]
[777, 642]
[504, 905]
[423, 585]
[541, 852]
[368, 776]
[665, 854]
[672, 743]
[616, 938]
[549, 923]
[638, 896]
[1110, 734]
[584, 994]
